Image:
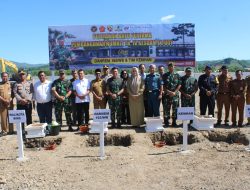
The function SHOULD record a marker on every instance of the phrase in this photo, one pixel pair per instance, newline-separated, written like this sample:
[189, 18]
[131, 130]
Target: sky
[222, 27]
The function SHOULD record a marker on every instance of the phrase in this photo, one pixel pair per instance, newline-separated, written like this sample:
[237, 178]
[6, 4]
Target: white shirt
[81, 87]
[42, 91]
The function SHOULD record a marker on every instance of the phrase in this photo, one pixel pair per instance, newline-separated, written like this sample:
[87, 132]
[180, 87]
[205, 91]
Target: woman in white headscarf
[135, 88]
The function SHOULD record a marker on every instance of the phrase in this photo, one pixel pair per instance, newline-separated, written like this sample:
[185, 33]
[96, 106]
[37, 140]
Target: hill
[231, 63]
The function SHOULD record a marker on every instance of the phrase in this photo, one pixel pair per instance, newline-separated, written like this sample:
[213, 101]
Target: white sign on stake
[247, 110]
[18, 117]
[101, 115]
[185, 113]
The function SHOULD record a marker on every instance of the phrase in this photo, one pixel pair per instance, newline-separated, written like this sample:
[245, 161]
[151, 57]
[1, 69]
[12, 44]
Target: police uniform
[171, 81]
[223, 97]
[24, 90]
[237, 87]
[113, 86]
[247, 80]
[5, 92]
[207, 83]
[153, 85]
[62, 87]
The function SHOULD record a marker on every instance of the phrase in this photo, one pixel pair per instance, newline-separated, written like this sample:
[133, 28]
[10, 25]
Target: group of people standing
[129, 97]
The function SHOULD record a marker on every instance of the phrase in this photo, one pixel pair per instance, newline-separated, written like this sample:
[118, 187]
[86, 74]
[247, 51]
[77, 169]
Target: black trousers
[82, 111]
[28, 112]
[125, 113]
[44, 111]
[207, 101]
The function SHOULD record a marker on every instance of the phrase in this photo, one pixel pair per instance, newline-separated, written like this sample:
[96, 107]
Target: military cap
[20, 72]
[60, 37]
[61, 71]
[105, 67]
[170, 64]
[223, 67]
[98, 71]
[188, 69]
[207, 68]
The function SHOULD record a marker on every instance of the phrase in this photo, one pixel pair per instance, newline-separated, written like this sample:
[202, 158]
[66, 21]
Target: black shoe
[240, 125]
[227, 124]
[218, 124]
[174, 124]
[77, 129]
[234, 125]
[113, 126]
[166, 123]
[70, 128]
[119, 125]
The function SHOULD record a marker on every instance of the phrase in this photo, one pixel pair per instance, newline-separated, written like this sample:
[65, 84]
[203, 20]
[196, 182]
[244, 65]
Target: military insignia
[93, 28]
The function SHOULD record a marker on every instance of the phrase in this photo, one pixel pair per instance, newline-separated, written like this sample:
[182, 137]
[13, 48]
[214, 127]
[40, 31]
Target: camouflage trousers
[168, 102]
[187, 102]
[115, 108]
[59, 107]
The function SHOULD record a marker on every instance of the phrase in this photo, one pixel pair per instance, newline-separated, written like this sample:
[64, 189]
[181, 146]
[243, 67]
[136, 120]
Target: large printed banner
[92, 46]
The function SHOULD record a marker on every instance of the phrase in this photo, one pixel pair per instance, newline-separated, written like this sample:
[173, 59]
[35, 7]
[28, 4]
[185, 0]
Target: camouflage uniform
[62, 87]
[114, 85]
[61, 53]
[189, 85]
[170, 82]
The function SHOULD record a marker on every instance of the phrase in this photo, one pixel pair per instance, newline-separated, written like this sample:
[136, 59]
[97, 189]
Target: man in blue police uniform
[154, 88]
[208, 85]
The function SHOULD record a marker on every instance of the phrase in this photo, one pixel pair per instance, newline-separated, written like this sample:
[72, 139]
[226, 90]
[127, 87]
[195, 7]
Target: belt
[150, 91]
[223, 93]
[44, 102]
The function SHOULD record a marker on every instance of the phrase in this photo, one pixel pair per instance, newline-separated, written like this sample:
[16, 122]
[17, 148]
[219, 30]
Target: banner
[128, 45]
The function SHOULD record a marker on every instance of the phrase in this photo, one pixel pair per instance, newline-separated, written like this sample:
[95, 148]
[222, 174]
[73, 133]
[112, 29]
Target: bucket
[54, 130]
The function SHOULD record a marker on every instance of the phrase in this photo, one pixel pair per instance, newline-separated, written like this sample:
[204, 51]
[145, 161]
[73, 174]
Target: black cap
[98, 71]
[170, 64]
[188, 69]
[61, 71]
[223, 67]
[207, 68]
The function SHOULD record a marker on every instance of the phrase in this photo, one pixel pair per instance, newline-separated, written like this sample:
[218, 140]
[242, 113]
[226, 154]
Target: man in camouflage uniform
[61, 89]
[189, 86]
[114, 88]
[171, 87]
[247, 80]
[61, 56]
